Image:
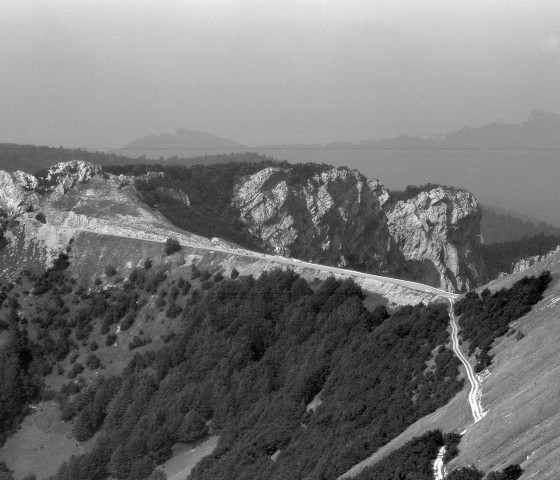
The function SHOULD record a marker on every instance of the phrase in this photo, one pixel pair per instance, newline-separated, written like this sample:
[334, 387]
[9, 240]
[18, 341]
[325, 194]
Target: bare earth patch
[42, 443]
[185, 457]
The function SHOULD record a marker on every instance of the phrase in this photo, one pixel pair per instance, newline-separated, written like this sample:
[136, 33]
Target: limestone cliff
[438, 234]
[339, 217]
[14, 196]
[334, 217]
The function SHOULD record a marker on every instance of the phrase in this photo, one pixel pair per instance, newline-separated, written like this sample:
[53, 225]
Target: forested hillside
[249, 356]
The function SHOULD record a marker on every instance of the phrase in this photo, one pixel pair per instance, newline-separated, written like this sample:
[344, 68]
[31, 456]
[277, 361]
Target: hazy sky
[98, 74]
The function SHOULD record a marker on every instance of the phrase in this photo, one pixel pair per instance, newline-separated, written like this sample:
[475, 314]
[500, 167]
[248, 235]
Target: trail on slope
[474, 400]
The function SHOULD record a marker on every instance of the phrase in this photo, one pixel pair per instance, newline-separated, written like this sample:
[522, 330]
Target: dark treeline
[487, 316]
[251, 355]
[499, 227]
[499, 257]
[32, 158]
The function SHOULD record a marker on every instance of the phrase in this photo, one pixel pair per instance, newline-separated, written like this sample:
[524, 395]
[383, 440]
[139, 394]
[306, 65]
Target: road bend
[474, 400]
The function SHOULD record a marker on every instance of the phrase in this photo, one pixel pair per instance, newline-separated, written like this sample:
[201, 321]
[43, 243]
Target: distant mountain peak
[183, 143]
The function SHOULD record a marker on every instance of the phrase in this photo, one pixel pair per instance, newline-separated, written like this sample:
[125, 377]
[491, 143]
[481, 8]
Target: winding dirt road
[439, 472]
[474, 400]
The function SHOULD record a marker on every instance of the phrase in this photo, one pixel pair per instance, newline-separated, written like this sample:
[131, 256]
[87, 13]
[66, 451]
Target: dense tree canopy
[251, 355]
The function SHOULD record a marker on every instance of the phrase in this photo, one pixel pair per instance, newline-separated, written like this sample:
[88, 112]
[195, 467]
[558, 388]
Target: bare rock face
[14, 192]
[341, 218]
[335, 217]
[438, 234]
[20, 191]
[64, 176]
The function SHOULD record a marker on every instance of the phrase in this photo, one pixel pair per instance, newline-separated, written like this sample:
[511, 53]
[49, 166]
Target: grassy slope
[521, 394]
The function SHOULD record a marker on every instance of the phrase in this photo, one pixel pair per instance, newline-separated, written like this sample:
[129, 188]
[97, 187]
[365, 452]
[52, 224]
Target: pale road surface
[288, 261]
[439, 472]
[474, 401]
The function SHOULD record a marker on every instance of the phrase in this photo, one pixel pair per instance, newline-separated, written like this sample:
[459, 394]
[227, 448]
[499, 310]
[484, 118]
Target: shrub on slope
[486, 317]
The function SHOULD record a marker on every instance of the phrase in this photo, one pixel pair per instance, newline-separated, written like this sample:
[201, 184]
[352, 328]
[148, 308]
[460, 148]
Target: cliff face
[14, 196]
[335, 217]
[341, 218]
[437, 232]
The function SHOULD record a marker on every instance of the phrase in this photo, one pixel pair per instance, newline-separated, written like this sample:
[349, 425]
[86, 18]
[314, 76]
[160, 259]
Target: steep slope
[484, 321]
[521, 392]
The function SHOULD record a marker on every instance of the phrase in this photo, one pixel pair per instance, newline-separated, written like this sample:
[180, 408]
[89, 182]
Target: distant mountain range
[513, 166]
[540, 130]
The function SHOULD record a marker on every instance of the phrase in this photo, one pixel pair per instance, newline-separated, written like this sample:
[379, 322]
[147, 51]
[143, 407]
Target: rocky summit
[340, 217]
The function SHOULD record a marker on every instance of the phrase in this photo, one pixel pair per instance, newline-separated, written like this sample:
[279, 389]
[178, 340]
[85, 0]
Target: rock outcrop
[438, 234]
[335, 217]
[20, 192]
[339, 217]
[14, 196]
[64, 176]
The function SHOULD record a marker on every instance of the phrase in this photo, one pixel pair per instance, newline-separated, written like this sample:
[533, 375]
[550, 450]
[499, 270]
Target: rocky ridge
[339, 217]
[334, 216]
